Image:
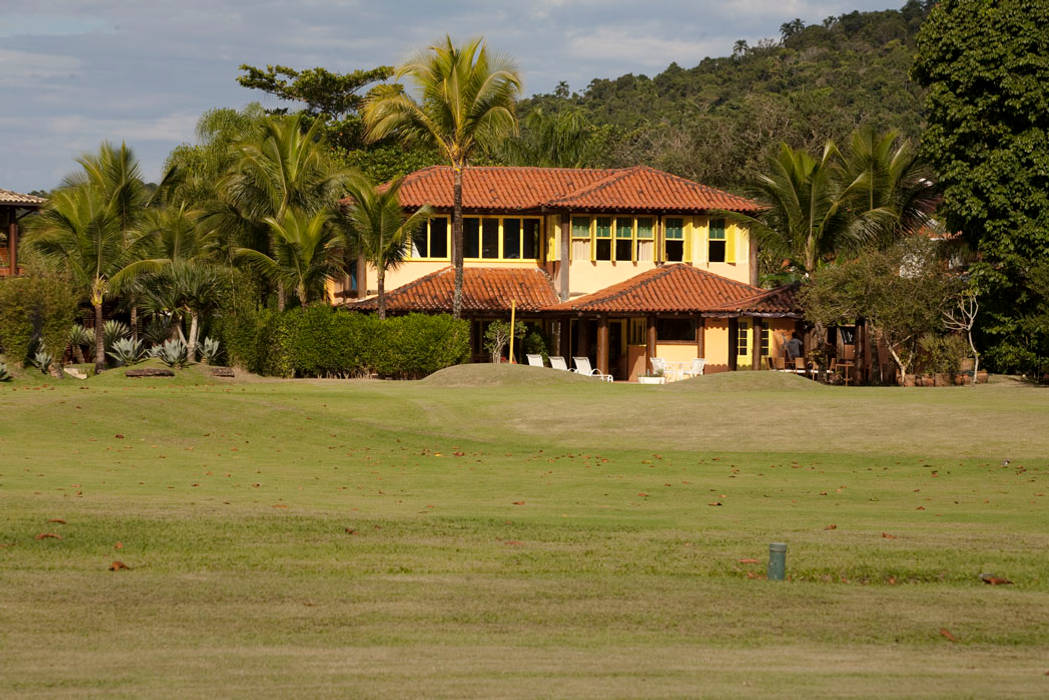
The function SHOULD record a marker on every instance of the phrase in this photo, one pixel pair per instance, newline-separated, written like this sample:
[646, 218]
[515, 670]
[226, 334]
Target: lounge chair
[535, 360]
[582, 366]
[558, 362]
[698, 365]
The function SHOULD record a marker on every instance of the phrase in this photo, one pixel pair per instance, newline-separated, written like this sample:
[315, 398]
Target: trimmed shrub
[35, 311]
[321, 341]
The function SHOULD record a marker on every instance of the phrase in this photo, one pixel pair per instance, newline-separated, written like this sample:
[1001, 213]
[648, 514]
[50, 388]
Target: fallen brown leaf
[57, 520]
[519, 503]
[119, 436]
[715, 503]
[279, 505]
[351, 531]
[118, 545]
[888, 536]
[832, 526]
[48, 535]
[944, 631]
[993, 580]
[748, 561]
[118, 565]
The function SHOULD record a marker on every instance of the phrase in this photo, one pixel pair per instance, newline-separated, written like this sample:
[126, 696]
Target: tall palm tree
[379, 228]
[890, 177]
[307, 250]
[81, 230]
[560, 139]
[809, 221]
[466, 101]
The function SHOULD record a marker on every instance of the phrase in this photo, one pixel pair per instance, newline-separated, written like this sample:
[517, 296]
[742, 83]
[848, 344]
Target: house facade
[13, 206]
[621, 265]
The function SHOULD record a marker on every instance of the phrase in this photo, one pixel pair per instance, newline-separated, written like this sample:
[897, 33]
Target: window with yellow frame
[613, 238]
[484, 238]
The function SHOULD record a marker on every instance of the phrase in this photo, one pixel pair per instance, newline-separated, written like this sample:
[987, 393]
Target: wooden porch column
[565, 338]
[602, 345]
[733, 333]
[650, 340]
[362, 277]
[701, 340]
[582, 348]
[12, 245]
[566, 252]
[756, 325]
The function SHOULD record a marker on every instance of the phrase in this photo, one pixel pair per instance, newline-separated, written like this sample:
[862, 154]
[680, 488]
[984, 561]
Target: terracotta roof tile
[521, 189]
[781, 301]
[29, 200]
[484, 289]
[668, 289]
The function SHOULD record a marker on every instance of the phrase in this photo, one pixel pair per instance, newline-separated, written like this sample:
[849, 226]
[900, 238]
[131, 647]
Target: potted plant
[653, 377]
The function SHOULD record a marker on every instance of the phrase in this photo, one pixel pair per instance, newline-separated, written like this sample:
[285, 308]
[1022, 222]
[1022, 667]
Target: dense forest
[719, 121]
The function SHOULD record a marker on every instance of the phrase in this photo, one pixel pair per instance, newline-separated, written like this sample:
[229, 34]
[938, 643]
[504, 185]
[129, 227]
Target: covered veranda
[14, 206]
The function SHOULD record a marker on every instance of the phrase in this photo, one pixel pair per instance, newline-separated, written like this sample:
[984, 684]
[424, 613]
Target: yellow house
[620, 265]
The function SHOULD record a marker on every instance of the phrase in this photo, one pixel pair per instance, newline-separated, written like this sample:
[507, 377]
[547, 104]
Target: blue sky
[73, 73]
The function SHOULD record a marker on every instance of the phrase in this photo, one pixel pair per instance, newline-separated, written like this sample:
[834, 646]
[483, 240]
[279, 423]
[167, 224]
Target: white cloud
[29, 68]
[651, 48]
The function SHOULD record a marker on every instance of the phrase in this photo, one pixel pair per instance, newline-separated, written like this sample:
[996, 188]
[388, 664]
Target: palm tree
[280, 169]
[561, 139]
[889, 176]
[379, 229]
[808, 221]
[307, 250]
[81, 230]
[183, 289]
[467, 101]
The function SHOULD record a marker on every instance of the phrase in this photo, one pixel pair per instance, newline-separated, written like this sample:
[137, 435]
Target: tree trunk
[457, 238]
[134, 320]
[280, 296]
[194, 328]
[100, 341]
[380, 279]
[78, 355]
[976, 355]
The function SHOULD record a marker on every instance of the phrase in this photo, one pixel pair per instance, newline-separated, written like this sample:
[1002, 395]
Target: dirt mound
[747, 381]
[485, 374]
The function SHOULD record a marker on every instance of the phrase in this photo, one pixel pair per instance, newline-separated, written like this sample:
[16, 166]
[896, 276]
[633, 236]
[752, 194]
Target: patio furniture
[558, 362]
[582, 366]
[698, 364]
[846, 365]
[535, 360]
[661, 367]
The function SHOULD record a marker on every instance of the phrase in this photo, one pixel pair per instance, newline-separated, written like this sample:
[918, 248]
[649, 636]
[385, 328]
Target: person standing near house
[794, 347]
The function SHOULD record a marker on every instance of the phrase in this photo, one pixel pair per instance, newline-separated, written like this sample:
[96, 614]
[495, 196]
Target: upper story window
[613, 238]
[430, 241]
[488, 238]
[674, 240]
[717, 241]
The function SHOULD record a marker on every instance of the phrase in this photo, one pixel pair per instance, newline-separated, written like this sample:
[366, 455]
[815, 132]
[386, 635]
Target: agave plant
[79, 338]
[42, 360]
[127, 351]
[172, 353]
[209, 350]
[5, 376]
[112, 331]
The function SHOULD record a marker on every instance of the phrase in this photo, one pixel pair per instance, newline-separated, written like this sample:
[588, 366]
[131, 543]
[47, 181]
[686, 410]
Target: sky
[75, 73]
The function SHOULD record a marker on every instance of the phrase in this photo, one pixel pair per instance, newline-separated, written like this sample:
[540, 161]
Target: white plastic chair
[659, 367]
[698, 364]
[535, 360]
[582, 366]
[558, 362]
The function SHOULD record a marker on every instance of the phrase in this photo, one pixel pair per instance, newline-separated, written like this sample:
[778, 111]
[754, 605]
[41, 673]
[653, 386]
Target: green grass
[507, 531]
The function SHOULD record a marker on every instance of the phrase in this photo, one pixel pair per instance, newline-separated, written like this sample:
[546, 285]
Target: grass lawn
[505, 531]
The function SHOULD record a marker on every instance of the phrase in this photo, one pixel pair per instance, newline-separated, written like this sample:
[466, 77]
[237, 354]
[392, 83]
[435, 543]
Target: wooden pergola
[13, 207]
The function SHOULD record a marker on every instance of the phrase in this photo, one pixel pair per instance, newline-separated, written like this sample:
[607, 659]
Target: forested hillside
[718, 121]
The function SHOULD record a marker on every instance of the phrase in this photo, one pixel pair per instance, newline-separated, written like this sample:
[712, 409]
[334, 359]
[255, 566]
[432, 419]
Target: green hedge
[35, 309]
[320, 341]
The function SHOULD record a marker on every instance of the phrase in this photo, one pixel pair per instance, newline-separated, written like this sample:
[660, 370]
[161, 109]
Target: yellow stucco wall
[676, 352]
[715, 341]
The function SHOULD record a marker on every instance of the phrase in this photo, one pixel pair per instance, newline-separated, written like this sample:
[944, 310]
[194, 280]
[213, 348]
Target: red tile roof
[671, 289]
[22, 200]
[526, 189]
[781, 301]
[484, 289]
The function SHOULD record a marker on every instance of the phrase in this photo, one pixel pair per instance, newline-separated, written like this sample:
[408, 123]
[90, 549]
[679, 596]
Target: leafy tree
[901, 293]
[36, 310]
[466, 102]
[988, 138]
[379, 229]
[324, 92]
[562, 139]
